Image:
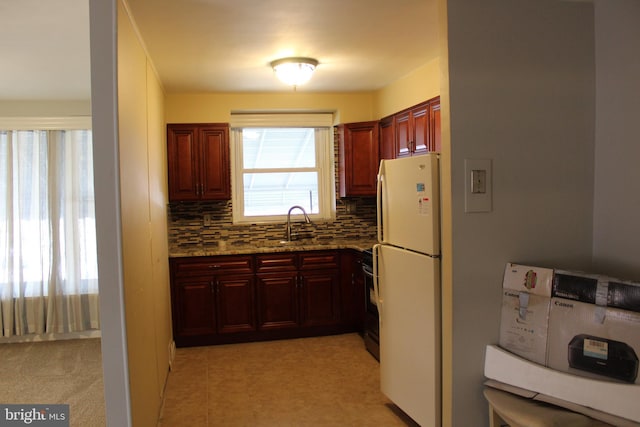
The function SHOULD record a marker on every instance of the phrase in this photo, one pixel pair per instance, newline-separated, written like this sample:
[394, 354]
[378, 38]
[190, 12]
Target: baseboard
[51, 337]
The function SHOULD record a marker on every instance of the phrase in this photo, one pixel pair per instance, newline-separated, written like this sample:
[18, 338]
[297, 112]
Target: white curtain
[48, 258]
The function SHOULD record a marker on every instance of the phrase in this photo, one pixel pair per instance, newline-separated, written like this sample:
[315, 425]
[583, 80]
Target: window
[277, 166]
[48, 210]
[47, 230]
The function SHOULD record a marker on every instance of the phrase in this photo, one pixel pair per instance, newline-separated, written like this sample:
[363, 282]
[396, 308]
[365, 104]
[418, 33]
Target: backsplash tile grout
[187, 229]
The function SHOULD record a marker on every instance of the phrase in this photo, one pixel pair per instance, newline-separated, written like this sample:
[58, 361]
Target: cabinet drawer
[202, 265]
[276, 262]
[319, 259]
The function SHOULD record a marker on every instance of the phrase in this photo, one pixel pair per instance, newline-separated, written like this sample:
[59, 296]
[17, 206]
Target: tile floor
[320, 381]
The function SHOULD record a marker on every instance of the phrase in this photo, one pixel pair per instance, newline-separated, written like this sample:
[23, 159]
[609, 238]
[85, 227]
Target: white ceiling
[221, 45]
[44, 50]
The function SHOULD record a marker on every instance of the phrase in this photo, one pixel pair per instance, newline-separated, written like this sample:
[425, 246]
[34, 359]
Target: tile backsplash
[355, 219]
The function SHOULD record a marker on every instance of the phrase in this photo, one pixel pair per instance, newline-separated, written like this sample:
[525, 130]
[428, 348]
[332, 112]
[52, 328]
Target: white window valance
[45, 123]
[314, 120]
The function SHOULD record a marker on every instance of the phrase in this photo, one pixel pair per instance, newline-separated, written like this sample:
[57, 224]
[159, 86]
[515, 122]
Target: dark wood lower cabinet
[277, 300]
[319, 298]
[226, 299]
[235, 304]
[193, 307]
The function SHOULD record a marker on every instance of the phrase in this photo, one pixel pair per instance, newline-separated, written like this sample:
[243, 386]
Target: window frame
[325, 164]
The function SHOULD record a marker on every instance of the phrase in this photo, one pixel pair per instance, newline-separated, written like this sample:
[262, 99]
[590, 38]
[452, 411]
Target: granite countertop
[270, 247]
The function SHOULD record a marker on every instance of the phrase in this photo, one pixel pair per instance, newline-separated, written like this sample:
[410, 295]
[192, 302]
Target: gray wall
[521, 75]
[616, 243]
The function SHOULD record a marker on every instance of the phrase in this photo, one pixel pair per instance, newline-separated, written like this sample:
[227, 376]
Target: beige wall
[45, 108]
[521, 93]
[419, 85]
[143, 218]
[158, 229]
[217, 107]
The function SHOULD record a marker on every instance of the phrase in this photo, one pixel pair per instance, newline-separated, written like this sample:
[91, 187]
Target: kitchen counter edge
[359, 245]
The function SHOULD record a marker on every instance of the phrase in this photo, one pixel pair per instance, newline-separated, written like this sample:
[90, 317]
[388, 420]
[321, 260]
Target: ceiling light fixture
[294, 71]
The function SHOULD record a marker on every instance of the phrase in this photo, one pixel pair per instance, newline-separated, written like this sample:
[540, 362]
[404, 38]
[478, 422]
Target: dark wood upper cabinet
[358, 158]
[198, 162]
[434, 110]
[411, 132]
[387, 138]
[420, 135]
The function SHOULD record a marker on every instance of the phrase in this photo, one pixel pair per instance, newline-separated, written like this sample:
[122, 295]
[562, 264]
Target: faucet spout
[306, 219]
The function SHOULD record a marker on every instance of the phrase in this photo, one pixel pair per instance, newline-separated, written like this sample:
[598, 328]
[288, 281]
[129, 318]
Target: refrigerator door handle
[376, 280]
[379, 202]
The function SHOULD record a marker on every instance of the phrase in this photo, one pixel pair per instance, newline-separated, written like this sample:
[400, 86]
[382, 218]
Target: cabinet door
[235, 303]
[215, 166]
[182, 162]
[420, 129]
[320, 298]
[193, 306]
[278, 300]
[403, 135]
[387, 138]
[435, 144]
[358, 159]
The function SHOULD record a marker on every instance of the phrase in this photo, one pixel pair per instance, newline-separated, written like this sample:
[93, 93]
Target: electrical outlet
[207, 219]
[351, 206]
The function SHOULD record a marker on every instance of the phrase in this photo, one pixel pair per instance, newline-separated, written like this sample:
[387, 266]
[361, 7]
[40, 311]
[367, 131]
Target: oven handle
[376, 284]
[367, 270]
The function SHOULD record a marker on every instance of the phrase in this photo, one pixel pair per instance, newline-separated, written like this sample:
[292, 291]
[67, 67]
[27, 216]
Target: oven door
[371, 326]
[371, 303]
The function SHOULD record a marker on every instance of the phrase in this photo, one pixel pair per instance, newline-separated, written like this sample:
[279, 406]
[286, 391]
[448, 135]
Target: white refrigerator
[407, 285]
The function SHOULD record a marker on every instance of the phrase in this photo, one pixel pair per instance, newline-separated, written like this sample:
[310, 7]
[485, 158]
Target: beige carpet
[55, 372]
[322, 381]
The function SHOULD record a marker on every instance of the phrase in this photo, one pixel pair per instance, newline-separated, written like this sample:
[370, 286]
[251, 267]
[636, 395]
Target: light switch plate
[478, 185]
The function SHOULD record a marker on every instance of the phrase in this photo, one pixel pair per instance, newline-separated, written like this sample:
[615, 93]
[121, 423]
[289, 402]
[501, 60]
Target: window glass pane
[264, 148]
[274, 193]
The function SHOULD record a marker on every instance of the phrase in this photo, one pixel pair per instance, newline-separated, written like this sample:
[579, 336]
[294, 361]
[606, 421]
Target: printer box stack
[571, 339]
[526, 299]
[583, 324]
[594, 327]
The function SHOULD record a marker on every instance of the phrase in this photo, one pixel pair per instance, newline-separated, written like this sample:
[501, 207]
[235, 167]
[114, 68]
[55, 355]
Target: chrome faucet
[306, 219]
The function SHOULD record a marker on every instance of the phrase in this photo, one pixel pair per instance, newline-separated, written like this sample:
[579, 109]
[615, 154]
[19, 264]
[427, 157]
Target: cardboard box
[524, 319]
[596, 289]
[619, 399]
[593, 341]
[533, 280]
